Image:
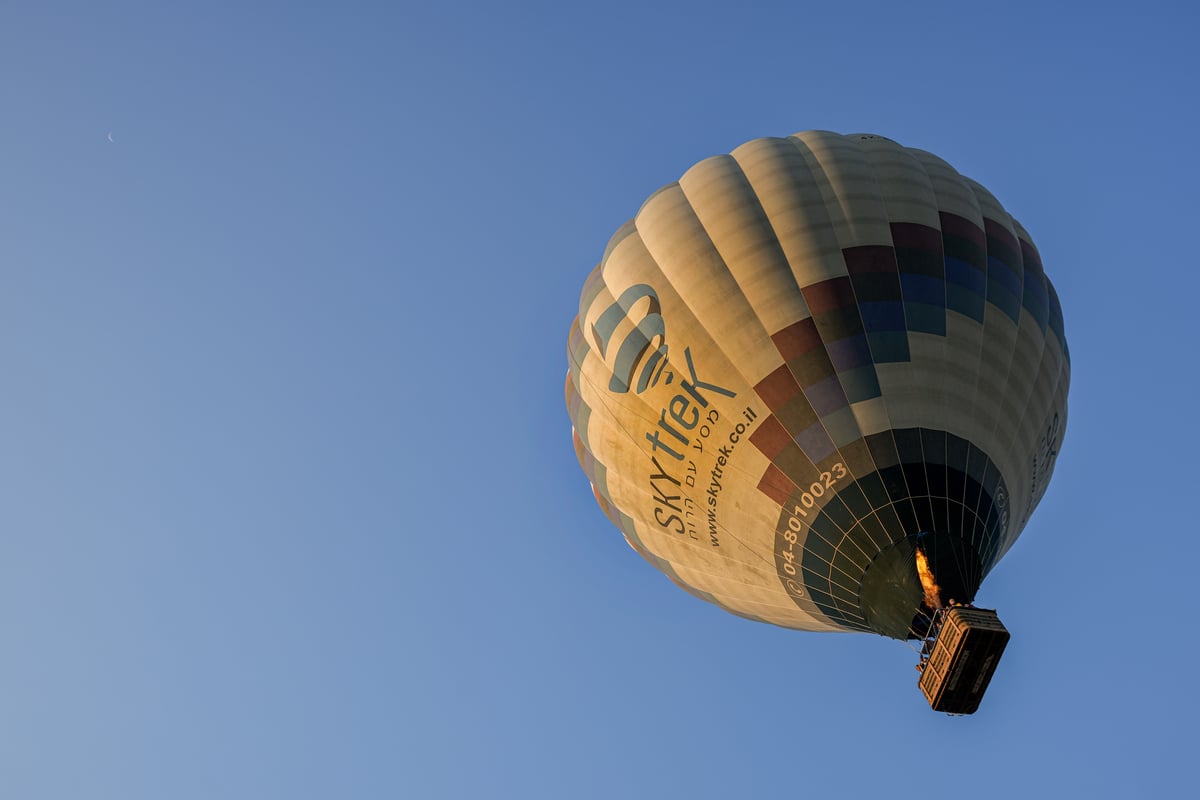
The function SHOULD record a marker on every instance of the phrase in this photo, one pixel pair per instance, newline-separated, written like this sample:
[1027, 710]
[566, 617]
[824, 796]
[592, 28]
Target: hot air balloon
[814, 372]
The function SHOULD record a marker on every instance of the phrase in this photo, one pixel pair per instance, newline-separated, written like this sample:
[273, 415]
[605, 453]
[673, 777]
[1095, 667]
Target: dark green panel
[858, 559]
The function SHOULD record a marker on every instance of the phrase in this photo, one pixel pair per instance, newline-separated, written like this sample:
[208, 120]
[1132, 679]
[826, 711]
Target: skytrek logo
[686, 421]
[646, 332]
[645, 345]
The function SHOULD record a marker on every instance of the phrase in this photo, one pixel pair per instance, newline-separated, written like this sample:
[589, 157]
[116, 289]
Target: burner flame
[933, 593]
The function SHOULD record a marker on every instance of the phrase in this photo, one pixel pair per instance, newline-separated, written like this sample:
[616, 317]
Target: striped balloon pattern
[809, 361]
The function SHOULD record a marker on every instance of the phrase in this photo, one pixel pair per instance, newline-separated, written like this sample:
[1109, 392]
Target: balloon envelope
[808, 366]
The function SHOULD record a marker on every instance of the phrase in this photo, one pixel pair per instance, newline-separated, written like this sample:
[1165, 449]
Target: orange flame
[933, 592]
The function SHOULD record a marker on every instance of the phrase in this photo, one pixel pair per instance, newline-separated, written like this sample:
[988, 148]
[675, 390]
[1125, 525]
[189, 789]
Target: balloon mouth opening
[911, 578]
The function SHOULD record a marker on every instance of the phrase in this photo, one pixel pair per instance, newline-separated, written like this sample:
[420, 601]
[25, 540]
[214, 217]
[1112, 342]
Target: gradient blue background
[288, 504]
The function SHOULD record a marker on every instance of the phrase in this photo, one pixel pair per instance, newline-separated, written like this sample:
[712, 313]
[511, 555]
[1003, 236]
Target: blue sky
[289, 502]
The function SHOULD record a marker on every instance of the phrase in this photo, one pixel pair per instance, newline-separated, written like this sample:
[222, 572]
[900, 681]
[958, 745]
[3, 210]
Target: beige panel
[918, 395]
[954, 194]
[791, 196]
[789, 193]
[845, 180]
[916, 390]
[684, 253]
[907, 192]
[871, 415]
[964, 340]
[964, 336]
[728, 209]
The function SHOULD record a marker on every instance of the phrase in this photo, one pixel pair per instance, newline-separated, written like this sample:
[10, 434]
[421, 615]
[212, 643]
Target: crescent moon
[110, 138]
